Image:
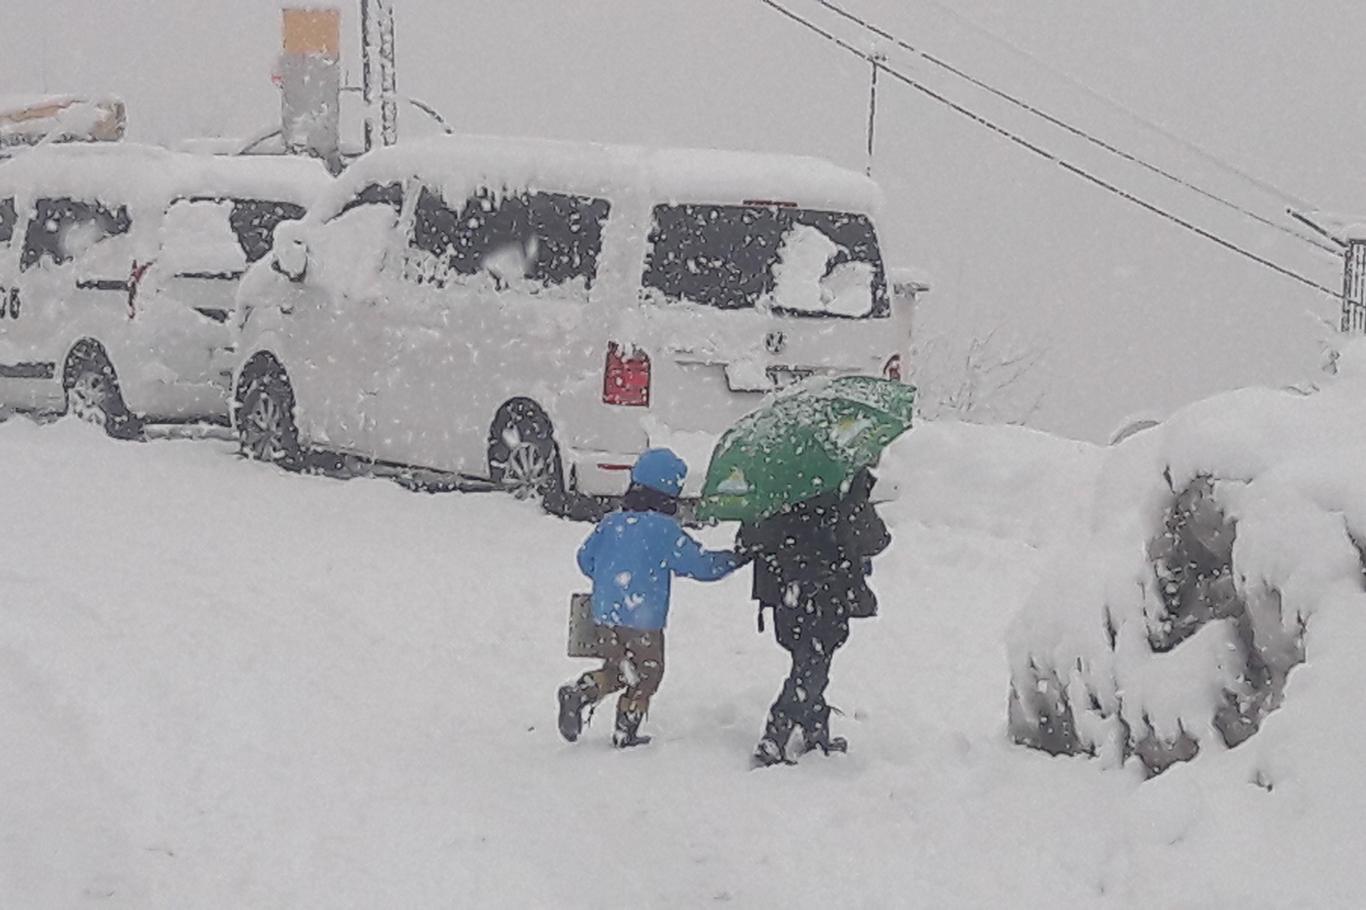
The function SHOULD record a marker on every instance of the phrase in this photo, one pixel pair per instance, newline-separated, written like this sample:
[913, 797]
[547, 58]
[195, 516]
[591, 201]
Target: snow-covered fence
[1222, 545]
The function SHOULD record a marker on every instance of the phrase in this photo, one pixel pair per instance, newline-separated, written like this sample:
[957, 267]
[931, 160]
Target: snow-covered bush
[1224, 548]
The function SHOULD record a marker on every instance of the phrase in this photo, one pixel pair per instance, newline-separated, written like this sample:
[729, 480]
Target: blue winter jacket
[632, 558]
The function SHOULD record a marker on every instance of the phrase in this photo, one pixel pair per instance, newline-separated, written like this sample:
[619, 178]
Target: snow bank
[229, 686]
[1005, 482]
[1225, 548]
[222, 685]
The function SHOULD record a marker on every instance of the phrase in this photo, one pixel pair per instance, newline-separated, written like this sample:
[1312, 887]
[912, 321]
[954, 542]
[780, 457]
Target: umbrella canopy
[801, 444]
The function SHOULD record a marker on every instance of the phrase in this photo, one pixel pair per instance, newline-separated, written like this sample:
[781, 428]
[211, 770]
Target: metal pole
[1354, 288]
[877, 60]
[1345, 325]
[388, 87]
[367, 91]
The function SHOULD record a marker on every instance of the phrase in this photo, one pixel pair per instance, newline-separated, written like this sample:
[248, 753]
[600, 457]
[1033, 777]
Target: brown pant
[633, 659]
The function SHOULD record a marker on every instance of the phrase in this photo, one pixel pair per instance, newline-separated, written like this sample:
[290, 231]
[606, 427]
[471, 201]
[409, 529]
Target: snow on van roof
[287, 178]
[677, 175]
[147, 176]
[716, 175]
[15, 101]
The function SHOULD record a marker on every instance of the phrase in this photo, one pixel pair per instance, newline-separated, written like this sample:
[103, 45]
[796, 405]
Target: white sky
[1135, 313]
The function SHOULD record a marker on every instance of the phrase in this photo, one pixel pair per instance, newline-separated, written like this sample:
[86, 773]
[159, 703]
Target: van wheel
[93, 394]
[523, 457]
[265, 422]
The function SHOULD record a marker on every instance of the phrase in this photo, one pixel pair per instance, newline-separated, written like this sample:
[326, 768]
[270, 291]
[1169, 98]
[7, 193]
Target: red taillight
[892, 368]
[626, 377]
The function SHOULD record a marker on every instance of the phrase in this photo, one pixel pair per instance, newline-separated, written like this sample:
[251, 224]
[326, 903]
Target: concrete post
[310, 81]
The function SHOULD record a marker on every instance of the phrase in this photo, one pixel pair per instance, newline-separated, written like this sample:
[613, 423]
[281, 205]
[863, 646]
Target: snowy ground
[225, 686]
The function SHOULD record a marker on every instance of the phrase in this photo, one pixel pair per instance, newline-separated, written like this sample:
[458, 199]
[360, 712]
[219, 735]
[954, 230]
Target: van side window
[390, 194]
[801, 262]
[63, 229]
[434, 225]
[254, 222]
[569, 229]
[548, 239]
[8, 217]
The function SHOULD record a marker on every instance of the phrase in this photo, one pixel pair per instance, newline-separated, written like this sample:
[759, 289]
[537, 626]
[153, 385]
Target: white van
[119, 266]
[537, 313]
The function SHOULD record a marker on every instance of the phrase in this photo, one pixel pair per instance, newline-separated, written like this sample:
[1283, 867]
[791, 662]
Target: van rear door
[761, 294]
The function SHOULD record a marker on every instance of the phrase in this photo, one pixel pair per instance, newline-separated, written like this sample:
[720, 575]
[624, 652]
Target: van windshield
[791, 261]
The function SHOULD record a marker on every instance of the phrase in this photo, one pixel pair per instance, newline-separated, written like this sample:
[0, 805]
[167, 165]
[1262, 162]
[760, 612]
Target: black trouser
[812, 639]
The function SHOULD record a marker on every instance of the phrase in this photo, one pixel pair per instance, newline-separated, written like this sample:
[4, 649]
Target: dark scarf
[643, 499]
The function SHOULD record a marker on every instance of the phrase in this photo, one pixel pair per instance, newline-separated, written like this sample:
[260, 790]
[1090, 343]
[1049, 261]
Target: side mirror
[290, 258]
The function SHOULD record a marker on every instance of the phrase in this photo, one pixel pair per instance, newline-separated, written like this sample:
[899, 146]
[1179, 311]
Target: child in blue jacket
[632, 556]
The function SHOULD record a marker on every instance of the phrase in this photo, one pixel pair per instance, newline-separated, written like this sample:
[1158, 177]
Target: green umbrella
[801, 444]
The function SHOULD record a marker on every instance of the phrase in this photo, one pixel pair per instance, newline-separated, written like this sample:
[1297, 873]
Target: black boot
[574, 697]
[769, 753]
[826, 743]
[817, 734]
[626, 733]
[772, 747]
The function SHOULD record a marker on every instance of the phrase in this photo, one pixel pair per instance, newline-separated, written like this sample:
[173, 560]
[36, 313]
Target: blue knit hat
[660, 470]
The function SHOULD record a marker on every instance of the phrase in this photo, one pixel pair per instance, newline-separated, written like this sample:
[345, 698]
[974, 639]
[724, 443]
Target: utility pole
[378, 72]
[1353, 246]
[877, 60]
[1354, 287]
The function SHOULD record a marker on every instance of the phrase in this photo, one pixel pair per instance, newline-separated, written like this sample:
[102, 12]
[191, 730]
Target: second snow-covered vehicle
[118, 269]
[537, 313]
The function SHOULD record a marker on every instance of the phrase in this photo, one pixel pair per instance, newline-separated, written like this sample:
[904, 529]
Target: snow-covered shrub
[1219, 543]
[986, 377]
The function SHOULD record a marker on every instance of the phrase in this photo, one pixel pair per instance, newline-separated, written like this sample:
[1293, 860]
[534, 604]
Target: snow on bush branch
[985, 378]
[1222, 543]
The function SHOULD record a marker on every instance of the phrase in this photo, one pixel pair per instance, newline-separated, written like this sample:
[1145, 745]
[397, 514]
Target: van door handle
[211, 276]
[103, 284]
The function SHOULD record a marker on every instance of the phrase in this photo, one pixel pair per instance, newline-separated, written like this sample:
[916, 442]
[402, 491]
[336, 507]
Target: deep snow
[226, 686]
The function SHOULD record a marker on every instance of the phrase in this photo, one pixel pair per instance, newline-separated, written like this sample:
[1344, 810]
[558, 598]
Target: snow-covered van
[118, 268]
[537, 313]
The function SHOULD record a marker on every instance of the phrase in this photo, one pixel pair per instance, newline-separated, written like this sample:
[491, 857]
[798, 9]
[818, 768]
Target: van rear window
[799, 262]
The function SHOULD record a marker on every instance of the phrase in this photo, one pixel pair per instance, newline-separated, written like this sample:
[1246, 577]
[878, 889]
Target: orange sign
[313, 32]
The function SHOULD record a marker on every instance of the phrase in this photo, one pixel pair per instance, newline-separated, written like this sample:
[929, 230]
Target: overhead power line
[1074, 130]
[1158, 128]
[1045, 154]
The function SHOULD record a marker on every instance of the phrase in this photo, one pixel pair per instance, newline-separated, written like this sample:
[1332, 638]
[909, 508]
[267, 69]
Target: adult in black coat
[811, 563]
